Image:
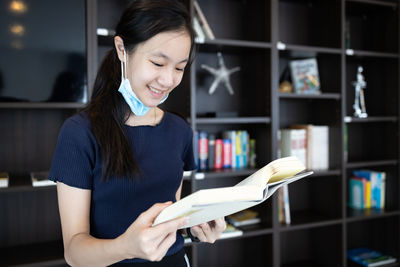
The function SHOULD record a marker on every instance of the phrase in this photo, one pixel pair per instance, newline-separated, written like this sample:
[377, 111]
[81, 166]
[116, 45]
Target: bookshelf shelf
[362, 53]
[376, 3]
[374, 163]
[240, 120]
[313, 49]
[300, 226]
[354, 215]
[234, 43]
[332, 96]
[30, 105]
[349, 119]
[332, 172]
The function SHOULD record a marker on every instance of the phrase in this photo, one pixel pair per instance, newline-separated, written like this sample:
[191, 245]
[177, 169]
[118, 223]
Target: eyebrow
[161, 54]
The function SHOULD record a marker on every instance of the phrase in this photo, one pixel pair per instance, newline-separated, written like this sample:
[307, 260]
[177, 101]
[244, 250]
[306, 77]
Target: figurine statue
[222, 74]
[359, 100]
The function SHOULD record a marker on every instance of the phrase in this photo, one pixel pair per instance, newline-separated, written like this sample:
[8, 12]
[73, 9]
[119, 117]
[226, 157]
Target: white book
[210, 204]
[41, 179]
[3, 179]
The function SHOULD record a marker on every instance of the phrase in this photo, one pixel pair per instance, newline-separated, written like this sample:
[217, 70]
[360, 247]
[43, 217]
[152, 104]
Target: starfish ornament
[222, 74]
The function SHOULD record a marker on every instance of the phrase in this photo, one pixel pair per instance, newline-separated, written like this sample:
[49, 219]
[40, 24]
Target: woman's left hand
[209, 232]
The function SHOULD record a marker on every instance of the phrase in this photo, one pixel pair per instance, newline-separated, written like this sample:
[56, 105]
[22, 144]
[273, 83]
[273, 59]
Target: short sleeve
[188, 156]
[74, 157]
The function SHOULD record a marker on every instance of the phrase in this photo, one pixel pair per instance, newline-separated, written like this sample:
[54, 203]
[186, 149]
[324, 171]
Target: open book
[209, 204]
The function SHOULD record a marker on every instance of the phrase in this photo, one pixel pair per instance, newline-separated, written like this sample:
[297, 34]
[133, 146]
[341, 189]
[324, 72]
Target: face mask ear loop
[125, 75]
[123, 67]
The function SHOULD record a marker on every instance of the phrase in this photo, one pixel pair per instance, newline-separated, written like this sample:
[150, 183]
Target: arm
[206, 232]
[139, 240]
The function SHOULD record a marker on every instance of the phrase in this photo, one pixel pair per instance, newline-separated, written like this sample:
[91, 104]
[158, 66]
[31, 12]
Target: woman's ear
[119, 46]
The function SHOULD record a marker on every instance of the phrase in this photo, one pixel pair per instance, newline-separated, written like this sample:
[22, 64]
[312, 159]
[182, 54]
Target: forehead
[174, 45]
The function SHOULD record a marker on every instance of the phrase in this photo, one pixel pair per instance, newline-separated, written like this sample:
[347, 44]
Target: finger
[159, 231]
[198, 232]
[220, 224]
[168, 241]
[208, 231]
[149, 215]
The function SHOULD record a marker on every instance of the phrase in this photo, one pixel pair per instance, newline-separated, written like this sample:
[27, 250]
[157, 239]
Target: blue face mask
[136, 106]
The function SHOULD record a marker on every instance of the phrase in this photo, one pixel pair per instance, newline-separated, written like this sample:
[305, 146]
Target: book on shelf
[4, 179]
[244, 218]
[41, 179]
[225, 150]
[305, 76]
[202, 21]
[292, 142]
[367, 189]
[317, 146]
[284, 205]
[209, 204]
[369, 257]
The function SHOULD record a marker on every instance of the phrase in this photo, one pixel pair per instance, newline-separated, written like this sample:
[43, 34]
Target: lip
[155, 94]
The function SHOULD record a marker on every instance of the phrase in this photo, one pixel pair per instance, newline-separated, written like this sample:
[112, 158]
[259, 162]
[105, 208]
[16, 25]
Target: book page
[274, 171]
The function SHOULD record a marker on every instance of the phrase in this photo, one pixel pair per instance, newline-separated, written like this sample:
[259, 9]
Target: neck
[152, 118]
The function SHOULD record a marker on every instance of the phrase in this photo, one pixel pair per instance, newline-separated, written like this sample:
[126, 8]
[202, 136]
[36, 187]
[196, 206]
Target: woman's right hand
[142, 240]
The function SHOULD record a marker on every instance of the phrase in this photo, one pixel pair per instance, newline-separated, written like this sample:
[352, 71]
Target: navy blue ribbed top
[162, 152]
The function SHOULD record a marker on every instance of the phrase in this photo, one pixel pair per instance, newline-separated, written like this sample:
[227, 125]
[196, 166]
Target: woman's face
[156, 66]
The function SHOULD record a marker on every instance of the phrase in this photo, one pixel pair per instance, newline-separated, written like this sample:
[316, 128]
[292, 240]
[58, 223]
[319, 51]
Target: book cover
[369, 258]
[305, 77]
[244, 218]
[209, 204]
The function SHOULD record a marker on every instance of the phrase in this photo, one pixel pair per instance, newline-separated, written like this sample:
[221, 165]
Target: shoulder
[78, 125]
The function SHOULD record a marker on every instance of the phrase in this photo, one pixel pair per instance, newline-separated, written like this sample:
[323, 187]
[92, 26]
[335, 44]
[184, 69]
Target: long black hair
[108, 111]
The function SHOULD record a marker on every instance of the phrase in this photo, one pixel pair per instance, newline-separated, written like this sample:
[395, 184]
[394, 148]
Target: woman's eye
[180, 69]
[156, 64]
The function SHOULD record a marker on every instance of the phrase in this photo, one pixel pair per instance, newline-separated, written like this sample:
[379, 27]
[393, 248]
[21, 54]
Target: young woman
[120, 162]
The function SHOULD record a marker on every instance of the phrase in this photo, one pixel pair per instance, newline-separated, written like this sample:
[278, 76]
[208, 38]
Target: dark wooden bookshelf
[38, 254]
[349, 119]
[235, 43]
[40, 105]
[374, 163]
[333, 96]
[314, 49]
[361, 53]
[240, 120]
[392, 4]
[261, 37]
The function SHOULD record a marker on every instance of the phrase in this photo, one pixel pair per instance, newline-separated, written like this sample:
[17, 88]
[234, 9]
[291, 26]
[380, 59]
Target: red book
[218, 154]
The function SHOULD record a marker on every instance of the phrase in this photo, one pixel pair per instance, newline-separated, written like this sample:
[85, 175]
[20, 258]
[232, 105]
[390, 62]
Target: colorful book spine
[211, 151]
[227, 154]
[218, 154]
[377, 189]
[356, 193]
[203, 150]
[238, 155]
[253, 154]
